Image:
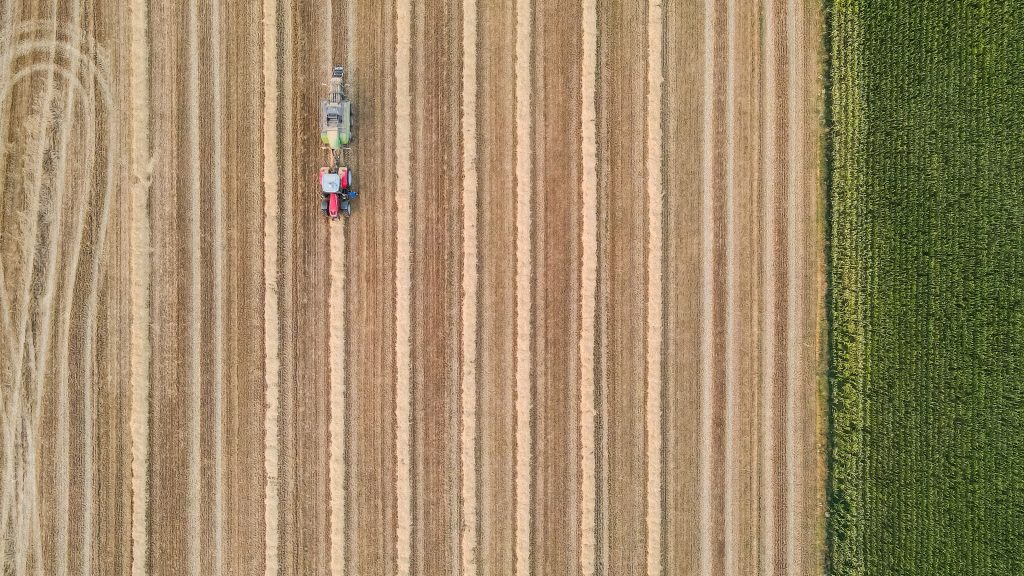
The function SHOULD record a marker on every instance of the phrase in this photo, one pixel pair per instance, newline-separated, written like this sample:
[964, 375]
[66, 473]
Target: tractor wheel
[323, 206]
[349, 179]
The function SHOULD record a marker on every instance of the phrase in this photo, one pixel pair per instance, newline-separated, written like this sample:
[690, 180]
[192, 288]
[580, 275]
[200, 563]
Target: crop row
[926, 301]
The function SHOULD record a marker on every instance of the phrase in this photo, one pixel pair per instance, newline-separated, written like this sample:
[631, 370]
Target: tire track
[372, 273]
[142, 169]
[14, 410]
[88, 403]
[10, 16]
[64, 311]
[403, 256]
[38, 352]
[470, 263]
[655, 310]
[91, 321]
[588, 295]
[62, 479]
[794, 333]
[30, 248]
[683, 283]
[436, 268]
[623, 157]
[496, 289]
[524, 296]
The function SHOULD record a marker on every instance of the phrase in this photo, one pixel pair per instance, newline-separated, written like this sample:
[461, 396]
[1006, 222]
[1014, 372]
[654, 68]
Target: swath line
[271, 325]
[732, 469]
[337, 375]
[655, 207]
[219, 292]
[470, 261]
[767, 421]
[403, 217]
[588, 294]
[142, 168]
[524, 296]
[193, 541]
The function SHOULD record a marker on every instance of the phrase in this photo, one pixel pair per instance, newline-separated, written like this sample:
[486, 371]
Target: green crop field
[926, 271]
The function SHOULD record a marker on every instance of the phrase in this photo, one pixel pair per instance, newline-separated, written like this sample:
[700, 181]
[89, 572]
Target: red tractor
[336, 187]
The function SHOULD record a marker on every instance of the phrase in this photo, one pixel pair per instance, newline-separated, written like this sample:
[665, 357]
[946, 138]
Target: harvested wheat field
[571, 327]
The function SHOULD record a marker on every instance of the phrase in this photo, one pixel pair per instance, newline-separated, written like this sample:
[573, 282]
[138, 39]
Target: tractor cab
[330, 183]
[336, 188]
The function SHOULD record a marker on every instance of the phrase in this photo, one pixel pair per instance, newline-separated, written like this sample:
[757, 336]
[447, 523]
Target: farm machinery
[336, 134]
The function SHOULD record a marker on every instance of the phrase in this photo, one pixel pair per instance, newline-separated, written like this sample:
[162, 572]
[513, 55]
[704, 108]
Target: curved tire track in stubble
[98, 74]
[62, 479]
[9, 16]
[12, 408]
[29, 247]
[14, 412]
[93, 280]
[28, 230]
[67, 48]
